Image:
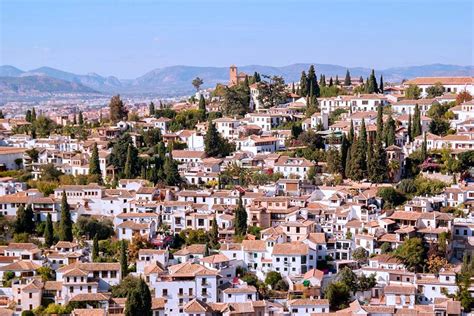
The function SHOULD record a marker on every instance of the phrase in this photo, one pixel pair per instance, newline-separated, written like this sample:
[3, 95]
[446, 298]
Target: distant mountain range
[176, 80]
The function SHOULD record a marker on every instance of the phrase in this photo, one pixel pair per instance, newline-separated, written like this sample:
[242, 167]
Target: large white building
[450, 84]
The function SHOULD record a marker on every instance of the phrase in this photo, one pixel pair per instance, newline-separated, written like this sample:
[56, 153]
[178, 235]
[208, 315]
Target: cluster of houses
[307, 232]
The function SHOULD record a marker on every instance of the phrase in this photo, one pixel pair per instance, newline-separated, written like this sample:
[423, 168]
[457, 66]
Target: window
[30, 295]
[165, 292]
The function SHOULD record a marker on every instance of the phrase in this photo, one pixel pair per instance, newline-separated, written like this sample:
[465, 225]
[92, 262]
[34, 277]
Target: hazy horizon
[126, 40]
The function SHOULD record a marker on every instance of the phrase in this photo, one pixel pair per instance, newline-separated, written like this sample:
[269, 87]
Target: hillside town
[325, 196]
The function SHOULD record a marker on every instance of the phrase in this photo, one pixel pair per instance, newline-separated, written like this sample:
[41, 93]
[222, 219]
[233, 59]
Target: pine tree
[80, 119]
[381, 87]
[417, 122]
[48, 231]
[212, 141]
[303, 85]
[151, 109]
[410, 129]
[347, 79]
[65, 224]
[240, 219]
[94, 163]
[128, 170]
[118, 111]
[214, 234]
[372, 83]
[95, 248]
[123, 258]
[345, 145]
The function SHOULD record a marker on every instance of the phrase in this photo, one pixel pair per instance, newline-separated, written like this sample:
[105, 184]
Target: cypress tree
[132, 305]
[146, 298]
[128, 170]
[24, 220]
[303, 85]
[348, 167]
[361, 80]
[74, 119]
[33, 115]
[378, 164]
[28, 116]
[151, 109]
[240, 219]
[345, 146]
[323, 81]
[366, 85]
[337, 81]
[65, 224]
[359, 155]
[379, 121]
[372, 84]
[139, 301]
[424, 151]
[95, 248]
[370, 161]
[313, 81]
[390, 132]
[381, 87]
[351, 133]
[94, 163]
[171, 173]
[212, 141]
[347, 79]
[214, 234]
[81, 119]
[123, 259]
[293, 87]
[48, 231]
[330, 82]
[410, 129]
[416, 122]
[202, 107]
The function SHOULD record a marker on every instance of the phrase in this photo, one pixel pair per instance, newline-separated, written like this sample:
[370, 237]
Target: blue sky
[129, 38]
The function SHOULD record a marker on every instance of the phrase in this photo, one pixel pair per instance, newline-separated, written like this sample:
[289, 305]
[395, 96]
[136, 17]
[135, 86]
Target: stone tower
[233, 75]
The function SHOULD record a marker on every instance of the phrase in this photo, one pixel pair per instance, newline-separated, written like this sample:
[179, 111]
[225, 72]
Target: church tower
[233, 79]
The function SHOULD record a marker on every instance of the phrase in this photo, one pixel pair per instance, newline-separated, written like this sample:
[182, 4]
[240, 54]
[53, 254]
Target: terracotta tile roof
[89, 312]
[254, 245]
[22, 265]
[85, 297]
[188, 269]
[243, 289]
[191, 249]
[442, 80]
[400, 289]
[219, 258]
[313, 273]
[291, 248]
[308, 302]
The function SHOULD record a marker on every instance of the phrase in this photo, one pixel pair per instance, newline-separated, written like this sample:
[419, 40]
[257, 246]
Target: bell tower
[233, 80]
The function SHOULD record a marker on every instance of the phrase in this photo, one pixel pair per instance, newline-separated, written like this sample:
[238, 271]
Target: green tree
[240, 219]
[333, 161]
[412, 92]
[24, 220]
[313, 81]
[202, 107]
[272, 278]
[372, 87]
[81, 119]
[95, 248]
[118, 111]
[65, 224]
[338, 294]
[410, 128]
[412, 253]
[214, 234]
[359, 155]
[385, 248]
[390, 131]
[94, 163]
[170, 170]
[123, 258]
[417, 122]
[391, 197]
[360, 254]
[33, 115]
[348, 277]
[381, 87]
[236, 100]
[197, 83]
[345, 147]
[128, 172]
[272, 92]
[151, 109]
[214, 144]
[303, 84]
[347, 79]
[48, 231]
[435, 91]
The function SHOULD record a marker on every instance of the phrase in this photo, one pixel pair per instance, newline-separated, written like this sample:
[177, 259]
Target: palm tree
[393, 167]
